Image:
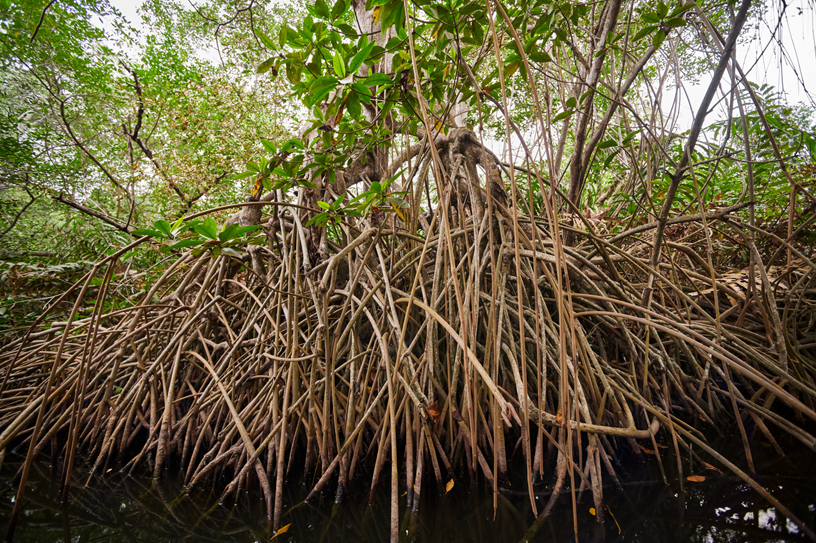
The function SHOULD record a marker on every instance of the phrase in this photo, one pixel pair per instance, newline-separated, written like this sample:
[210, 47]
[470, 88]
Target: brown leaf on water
[647, 451]
[709, 466]
[449, 486]
[696, 478]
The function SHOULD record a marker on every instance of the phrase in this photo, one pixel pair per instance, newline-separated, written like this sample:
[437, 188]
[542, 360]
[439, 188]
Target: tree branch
[88, 211]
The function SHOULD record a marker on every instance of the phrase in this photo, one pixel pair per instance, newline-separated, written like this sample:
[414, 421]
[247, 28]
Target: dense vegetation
[438, 232]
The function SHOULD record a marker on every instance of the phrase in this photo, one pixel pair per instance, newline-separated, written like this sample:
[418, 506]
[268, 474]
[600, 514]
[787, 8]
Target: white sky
[783, 57]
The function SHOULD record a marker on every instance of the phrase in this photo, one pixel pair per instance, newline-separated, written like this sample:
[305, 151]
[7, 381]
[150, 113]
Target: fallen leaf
[613, 518]
[647, 451]
[559, 417]
[109, 470]
[449, 486]
[283, 530]
[592, 511]
[709, 466]
[696, 478]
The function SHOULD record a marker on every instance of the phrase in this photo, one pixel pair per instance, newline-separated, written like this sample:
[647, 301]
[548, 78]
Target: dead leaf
[709, 466]
[433, 410]
[647, 451]
[256, 190]
[696, 478]
[283, 530]
[559, 417]
[613, 517]
[449, 486]
[592, 511]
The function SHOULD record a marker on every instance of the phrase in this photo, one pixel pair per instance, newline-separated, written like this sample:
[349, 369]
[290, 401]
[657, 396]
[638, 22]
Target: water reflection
[116, 508]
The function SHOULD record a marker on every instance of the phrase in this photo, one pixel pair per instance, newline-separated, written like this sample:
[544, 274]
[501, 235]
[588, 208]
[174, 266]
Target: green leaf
[682, 9]
[186, 243]
[662, 9]
[562, 115]
[321, 88]
[323, 205]
[264, 66]
[268, 43]
[676, 22]
[393, 14]
[353, 105]
[338, 9]
[658, 39]
[651, 18]
[361, 57]
[571, 102]
[229, 251]
[244, 175]
[607, 144]
[540, 56]
[376, 80]
[631, 135]
[208, 229]
[178, 225]
[319, 219]
[397, 201]
[321, 9]
[611, 157]
[147, 232]
[227, 233]
[163, 227]
[363, 93]
[644, 32]
[339, 65]
[283, 35]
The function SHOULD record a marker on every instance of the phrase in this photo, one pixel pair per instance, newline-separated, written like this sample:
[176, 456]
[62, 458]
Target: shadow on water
[119, 508]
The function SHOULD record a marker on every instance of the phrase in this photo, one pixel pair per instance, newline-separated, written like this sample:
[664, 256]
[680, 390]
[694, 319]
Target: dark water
[117, 508]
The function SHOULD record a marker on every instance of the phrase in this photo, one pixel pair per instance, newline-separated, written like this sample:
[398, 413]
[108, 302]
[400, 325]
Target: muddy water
[117, 508]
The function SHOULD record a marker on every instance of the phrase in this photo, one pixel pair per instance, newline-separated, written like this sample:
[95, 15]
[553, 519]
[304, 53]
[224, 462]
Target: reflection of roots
[295, 359]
